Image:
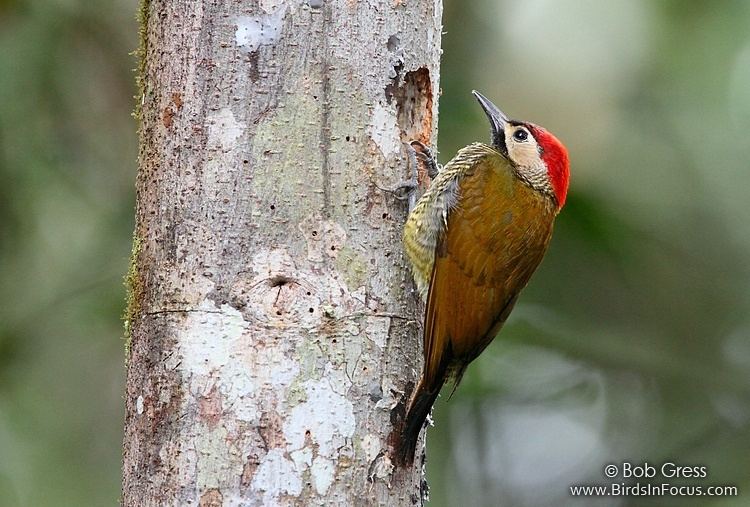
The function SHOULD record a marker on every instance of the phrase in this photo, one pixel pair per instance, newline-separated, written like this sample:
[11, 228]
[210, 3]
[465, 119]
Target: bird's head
[539, 157]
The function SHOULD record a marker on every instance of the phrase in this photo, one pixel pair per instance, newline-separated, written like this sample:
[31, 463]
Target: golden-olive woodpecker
[474, 239]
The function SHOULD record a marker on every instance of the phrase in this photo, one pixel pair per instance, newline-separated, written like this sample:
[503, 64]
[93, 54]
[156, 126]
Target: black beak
[497, 118]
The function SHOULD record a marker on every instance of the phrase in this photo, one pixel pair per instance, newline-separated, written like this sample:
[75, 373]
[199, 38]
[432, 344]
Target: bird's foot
[425, 155]
[407, 190]
[416, 153]
[402, 191]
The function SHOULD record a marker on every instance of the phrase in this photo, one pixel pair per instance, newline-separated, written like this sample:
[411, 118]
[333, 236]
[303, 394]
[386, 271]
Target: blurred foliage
[67, 167]
[631, 342]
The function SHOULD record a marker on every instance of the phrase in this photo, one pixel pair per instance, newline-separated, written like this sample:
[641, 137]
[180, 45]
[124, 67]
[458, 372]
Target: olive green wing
[495, 238]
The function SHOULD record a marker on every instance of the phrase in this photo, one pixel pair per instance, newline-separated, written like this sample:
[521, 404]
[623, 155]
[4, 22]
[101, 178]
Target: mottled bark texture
[274, 325]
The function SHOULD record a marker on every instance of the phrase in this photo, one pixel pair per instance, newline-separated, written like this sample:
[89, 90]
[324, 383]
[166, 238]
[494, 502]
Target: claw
[425, 155]
[401, 191]
[414, 181]
[408, 189]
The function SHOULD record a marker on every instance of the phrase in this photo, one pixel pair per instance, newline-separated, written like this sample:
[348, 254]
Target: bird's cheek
[523, 155]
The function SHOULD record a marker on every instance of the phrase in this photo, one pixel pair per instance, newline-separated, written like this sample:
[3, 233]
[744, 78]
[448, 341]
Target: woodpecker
[473, 240]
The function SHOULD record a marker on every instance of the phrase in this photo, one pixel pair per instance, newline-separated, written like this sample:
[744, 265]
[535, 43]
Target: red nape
[555, 156]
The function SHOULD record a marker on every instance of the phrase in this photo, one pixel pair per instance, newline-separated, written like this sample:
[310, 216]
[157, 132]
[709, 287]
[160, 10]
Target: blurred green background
[631, 342]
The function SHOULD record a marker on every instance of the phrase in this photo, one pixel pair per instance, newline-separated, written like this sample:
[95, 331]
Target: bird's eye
[520, 135]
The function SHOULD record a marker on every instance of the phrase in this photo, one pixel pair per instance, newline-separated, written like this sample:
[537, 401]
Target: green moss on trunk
[134, 289]
[140, 55]
[133, 285]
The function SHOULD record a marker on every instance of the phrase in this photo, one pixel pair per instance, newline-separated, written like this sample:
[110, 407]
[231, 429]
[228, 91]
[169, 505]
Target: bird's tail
[419, 408]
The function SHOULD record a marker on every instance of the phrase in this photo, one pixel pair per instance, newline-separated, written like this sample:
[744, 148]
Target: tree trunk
[273, 324]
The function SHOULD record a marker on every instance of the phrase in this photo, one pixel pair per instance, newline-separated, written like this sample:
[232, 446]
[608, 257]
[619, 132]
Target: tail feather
[419, 409]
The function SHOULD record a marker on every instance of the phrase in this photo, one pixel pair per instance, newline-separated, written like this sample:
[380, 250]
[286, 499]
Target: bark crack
[185, 310]
[325, 121]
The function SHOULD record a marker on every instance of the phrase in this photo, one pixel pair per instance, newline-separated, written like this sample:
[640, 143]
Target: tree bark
[273, 324]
